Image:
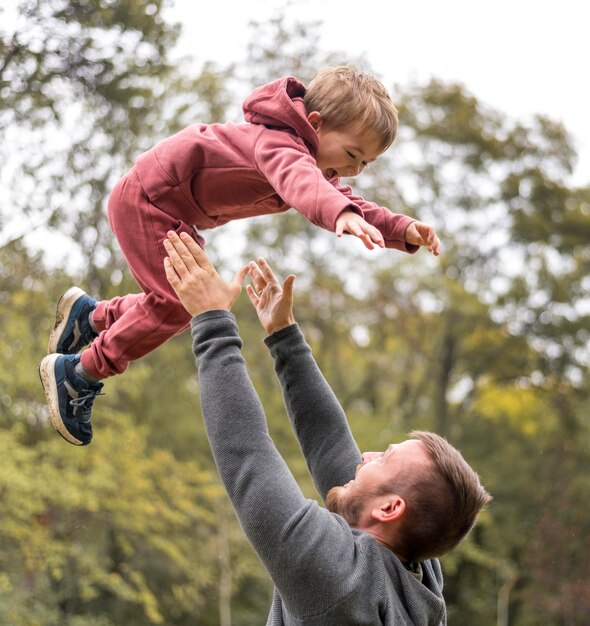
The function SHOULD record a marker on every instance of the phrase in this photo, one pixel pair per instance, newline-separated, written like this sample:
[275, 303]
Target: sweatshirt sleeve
[294, 537]
[316, 415]
[290, 169]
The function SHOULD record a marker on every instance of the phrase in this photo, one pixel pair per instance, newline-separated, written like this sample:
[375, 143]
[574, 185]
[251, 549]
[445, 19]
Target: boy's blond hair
[345, 96]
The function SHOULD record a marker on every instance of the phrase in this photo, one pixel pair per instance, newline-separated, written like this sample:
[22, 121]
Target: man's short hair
[345, 96]
[443, 500]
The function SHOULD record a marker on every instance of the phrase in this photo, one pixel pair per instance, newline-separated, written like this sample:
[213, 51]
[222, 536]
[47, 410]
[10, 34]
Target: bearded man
[369, 558]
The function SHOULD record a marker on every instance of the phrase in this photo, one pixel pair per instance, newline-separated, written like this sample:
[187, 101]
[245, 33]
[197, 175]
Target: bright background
[522, 57]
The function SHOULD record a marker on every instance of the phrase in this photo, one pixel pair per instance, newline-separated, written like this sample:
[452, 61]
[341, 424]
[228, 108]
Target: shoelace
[85, 401]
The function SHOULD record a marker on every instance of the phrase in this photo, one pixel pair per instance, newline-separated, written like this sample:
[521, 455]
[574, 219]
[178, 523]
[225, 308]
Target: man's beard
[346, 503]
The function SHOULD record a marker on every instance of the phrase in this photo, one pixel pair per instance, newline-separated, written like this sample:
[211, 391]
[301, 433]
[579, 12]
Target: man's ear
[315, 119]
[392, 507]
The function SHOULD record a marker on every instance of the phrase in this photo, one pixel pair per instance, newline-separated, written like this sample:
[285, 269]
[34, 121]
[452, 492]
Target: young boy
[291, 152]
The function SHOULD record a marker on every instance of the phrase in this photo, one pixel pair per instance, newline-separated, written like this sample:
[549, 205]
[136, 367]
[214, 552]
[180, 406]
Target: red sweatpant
[132, 326]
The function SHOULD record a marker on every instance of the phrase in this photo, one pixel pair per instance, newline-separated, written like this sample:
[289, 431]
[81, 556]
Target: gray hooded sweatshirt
[325, 573]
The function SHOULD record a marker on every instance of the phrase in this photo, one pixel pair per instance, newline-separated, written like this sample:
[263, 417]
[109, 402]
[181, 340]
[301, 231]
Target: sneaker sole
[47, 376]
[64, 307]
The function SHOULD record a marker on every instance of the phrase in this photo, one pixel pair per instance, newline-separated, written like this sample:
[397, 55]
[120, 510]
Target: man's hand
[350, 222]
[194, 279]
[421, 234]
[273, 303]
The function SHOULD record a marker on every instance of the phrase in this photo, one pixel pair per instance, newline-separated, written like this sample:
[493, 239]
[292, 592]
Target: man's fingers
[189, 250]
[240, 276]
[267, 271]
[180, 255]
[257, 276]
[288, 287]
[254, 299]
[257, 280]
[196, 251]
[179, 264]
[171, 274]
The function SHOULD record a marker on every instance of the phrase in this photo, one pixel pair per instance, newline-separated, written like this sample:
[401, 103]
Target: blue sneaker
[72, 330]
[69, 397]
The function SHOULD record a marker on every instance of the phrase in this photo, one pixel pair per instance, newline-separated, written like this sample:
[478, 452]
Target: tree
[86, 87]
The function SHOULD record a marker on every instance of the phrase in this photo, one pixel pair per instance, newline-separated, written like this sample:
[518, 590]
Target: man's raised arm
[315, 413]
[293, 536]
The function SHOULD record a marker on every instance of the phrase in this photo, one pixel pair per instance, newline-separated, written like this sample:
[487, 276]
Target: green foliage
[123, 531]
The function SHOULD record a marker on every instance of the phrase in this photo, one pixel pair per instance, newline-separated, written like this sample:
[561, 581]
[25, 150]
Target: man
[370, 558]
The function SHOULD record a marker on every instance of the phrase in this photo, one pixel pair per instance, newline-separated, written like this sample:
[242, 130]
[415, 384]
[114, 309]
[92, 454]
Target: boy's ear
[315, 119]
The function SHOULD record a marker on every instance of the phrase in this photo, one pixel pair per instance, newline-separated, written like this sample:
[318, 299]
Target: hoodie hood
[418, 592]
[279, 105]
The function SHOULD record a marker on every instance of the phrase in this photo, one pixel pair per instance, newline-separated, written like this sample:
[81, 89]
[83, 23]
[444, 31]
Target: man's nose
[367, 457]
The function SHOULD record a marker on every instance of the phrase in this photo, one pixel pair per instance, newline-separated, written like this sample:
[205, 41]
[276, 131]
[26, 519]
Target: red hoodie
[209, 174]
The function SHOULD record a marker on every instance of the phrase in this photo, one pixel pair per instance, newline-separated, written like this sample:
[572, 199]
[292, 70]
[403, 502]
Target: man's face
[346, 150]
[377, 469]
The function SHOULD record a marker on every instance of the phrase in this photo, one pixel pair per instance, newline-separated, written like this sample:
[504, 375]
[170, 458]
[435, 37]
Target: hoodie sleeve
[285, 161]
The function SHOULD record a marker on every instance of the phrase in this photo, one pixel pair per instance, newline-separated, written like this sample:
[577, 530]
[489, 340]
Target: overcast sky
[520, 56]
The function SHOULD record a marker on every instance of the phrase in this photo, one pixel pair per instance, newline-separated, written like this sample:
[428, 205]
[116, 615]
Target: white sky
[520, 56]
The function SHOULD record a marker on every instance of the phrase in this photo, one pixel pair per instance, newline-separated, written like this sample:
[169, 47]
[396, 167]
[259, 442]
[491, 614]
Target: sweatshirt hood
[421, 596]
[279, 105]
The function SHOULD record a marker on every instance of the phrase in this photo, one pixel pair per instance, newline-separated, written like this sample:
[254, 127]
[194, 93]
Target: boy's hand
[194, 279]
[273, 303]
[421, 234]
[350, 222]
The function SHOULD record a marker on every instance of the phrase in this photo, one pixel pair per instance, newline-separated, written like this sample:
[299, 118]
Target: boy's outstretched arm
[417, 233]
[395, 229]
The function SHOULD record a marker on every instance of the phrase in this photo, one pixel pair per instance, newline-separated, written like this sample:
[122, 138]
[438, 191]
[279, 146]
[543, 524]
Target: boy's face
[346, 150]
